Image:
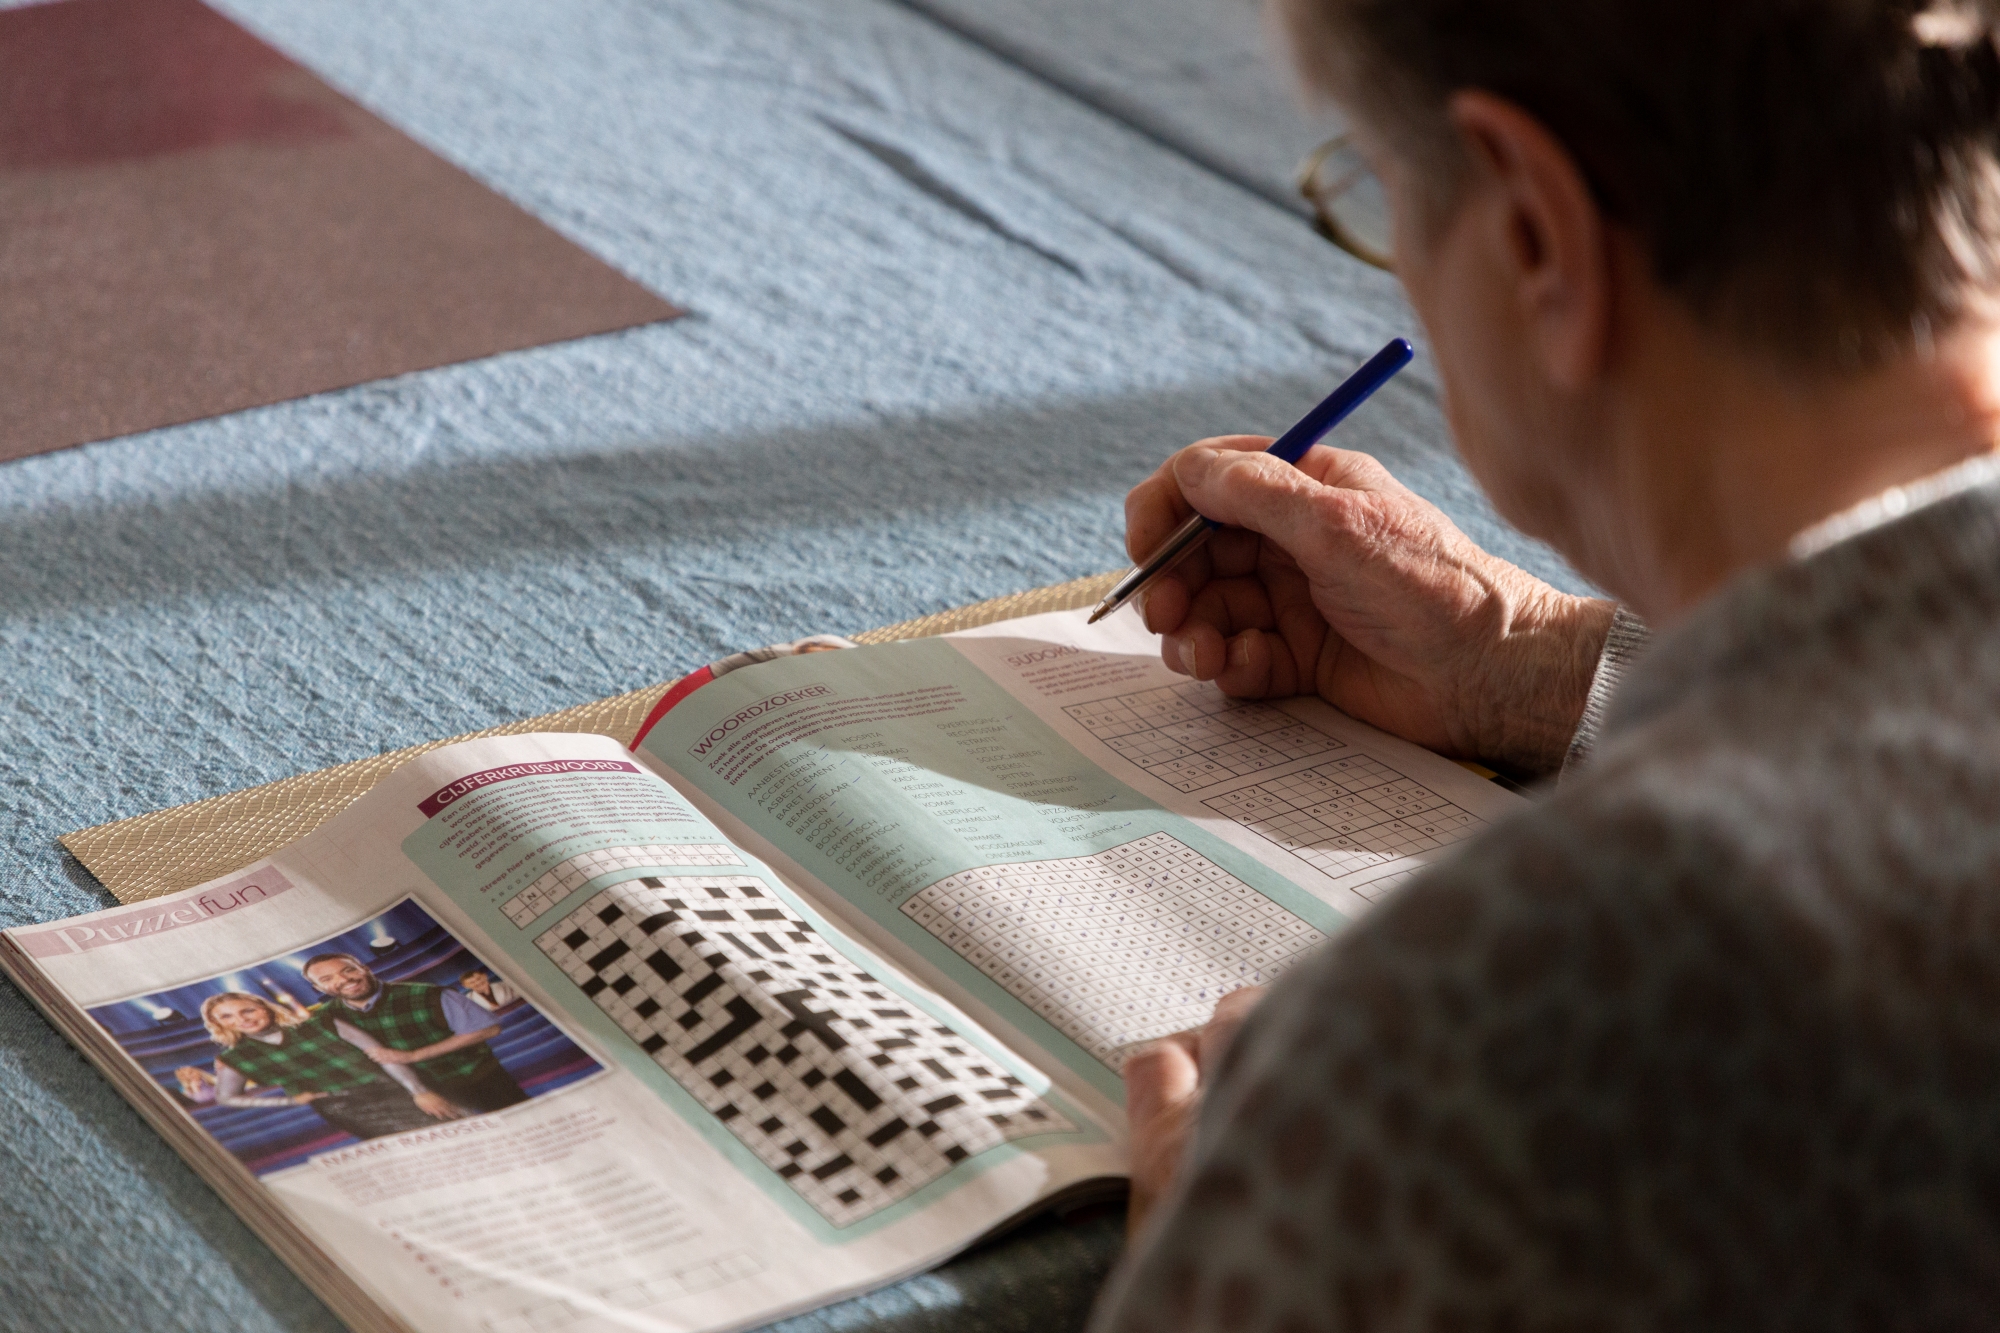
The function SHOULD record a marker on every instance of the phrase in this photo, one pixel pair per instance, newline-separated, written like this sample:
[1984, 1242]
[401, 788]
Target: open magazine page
[521, 1042]
[1333, 804]
[1042, 818]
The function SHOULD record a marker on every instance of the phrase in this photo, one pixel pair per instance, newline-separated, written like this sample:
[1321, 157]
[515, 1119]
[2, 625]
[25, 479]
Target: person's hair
[227, 1037]
[318, 958]
[1819, 178]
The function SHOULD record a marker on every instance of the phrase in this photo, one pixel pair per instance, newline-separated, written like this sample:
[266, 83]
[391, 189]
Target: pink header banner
[152, 919]
[472, 782]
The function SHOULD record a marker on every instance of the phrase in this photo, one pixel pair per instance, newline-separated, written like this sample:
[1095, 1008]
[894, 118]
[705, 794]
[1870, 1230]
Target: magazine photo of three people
[390, 1026]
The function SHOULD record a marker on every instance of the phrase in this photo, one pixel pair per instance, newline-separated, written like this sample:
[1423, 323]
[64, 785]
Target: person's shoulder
[1606, 833]
[1585, 893]
[1697, 859]
[1632, 1001]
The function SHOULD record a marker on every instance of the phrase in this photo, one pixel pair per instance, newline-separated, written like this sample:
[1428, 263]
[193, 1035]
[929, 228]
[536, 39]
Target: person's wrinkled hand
[383, 1055]
[1332, 578]
[436, 1106]
[1164, 1081]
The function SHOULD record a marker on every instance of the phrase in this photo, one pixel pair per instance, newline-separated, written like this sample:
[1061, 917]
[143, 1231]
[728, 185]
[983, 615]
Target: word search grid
[1118, 947]
[566, 877]
[826, 1075]
[1192, 736]
[1348, 815]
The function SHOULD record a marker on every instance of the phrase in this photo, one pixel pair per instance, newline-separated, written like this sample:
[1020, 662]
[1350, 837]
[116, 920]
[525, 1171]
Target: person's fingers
[1163, 612]
[1229, 553]
[1162, 1096]
[1233, 605]
[1266, 633]
[1220, 1031]
[1233, 635]
[1256, 666]
[1165, 605]
[1160, 1075]
[1233, 553]
[1197, 649]
[1219, 610]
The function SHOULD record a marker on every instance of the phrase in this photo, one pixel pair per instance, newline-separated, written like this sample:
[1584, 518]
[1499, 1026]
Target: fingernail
[1194, 467]
[1239, 651]
[1187, 657]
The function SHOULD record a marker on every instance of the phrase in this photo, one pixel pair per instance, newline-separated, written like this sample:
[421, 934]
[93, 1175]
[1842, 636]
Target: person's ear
[1548, 231]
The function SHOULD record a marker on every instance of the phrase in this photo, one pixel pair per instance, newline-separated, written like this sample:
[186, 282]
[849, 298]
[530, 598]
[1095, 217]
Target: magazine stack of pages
[827, 978]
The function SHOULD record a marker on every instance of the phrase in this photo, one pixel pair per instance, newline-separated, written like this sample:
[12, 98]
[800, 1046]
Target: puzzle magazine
[829, 975]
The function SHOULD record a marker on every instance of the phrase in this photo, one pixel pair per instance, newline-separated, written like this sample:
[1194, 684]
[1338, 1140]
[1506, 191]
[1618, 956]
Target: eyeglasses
[1349, 207]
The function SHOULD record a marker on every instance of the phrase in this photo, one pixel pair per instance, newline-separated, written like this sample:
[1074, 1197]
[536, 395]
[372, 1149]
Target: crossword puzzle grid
[1118, 947]
[1192, 735]
[1348, 815]
[567, 877]
[821, 1071]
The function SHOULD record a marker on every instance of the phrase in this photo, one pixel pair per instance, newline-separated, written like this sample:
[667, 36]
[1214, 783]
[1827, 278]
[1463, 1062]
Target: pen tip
[1096, 615]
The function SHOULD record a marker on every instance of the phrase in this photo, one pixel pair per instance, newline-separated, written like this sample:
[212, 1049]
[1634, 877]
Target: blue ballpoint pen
[1291, 446]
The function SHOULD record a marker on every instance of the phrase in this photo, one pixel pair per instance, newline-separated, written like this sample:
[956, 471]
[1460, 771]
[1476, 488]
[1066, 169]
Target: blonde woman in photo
[316, 1062]
[197, 1085]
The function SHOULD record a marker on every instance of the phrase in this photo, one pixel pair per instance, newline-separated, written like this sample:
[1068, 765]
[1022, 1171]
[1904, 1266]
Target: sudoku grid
[1118, 947]
[830, 1078]
[566, 877]
[1192, 736]
[1347, 815]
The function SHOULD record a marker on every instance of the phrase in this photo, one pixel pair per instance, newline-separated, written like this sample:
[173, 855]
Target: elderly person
[1709, 1037]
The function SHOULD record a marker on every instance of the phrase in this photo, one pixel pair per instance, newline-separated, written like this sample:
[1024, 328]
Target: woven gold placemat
[168, 850]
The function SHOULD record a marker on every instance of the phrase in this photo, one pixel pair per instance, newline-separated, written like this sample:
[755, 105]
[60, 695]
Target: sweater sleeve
[229, 1086]
[232, 1089]
[1622, 646]
[403, 1075]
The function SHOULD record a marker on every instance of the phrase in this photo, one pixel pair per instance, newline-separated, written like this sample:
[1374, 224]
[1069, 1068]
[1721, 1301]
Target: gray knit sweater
[1708, 1038]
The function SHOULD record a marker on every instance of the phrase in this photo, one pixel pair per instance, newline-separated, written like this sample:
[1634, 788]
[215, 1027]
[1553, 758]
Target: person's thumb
[1160, 1076]
[1162, 1093]
[1193, 467]
[1246, 490]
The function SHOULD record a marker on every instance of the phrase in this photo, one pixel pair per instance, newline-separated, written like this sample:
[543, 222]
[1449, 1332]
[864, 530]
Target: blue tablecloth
[959, 274]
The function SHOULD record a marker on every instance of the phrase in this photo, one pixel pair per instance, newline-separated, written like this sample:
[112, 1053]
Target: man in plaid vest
[437, 1033]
